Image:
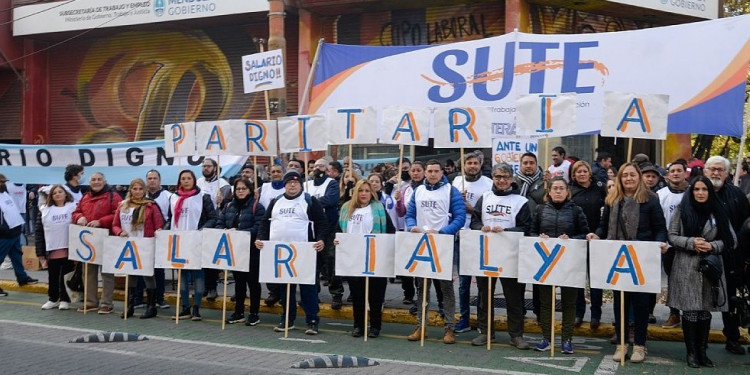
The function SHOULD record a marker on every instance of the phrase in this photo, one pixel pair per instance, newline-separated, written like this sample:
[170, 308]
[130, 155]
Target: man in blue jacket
[441, 210]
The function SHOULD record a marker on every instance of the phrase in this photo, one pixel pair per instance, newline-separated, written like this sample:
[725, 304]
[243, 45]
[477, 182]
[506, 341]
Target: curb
[402, 316]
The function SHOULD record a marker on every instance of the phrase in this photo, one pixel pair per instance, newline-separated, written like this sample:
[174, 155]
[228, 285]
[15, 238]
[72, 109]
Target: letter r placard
[284, 262]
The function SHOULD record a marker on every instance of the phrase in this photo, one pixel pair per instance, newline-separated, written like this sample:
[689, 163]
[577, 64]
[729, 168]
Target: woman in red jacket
[138, 216]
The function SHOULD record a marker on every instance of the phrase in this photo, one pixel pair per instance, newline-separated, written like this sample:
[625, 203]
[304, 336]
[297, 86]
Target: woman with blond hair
[632, 213]
[364, 214]
[138, 216]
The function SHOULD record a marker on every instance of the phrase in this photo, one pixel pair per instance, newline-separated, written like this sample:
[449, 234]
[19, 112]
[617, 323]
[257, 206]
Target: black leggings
[56, 271]
[245, 280]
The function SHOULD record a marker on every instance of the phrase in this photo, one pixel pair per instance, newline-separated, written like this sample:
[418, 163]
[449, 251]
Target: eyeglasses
[716, 169]
[501, 177]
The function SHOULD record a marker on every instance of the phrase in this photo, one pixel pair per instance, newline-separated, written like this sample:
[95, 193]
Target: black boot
[150, 311]
[690, 332]
[704, 327]
[131, 304]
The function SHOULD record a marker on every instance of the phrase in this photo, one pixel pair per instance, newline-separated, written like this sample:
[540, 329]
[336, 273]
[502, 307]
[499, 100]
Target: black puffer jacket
[240, 216]
[553, 221]
[591, 201]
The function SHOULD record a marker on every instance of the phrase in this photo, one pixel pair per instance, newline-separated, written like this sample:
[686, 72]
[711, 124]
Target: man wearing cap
[651, 177]
[295, 216]
[11, 227]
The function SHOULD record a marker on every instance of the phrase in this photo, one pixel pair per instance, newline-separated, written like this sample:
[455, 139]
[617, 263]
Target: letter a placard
[365, 255]
[225, 249]
[405, 126]
[628, 115]
[128, 256]
[287, 262]
[424, 255]
[631, 266]
[176, 249]
[489, 254]
[552, 261]
[86, 244]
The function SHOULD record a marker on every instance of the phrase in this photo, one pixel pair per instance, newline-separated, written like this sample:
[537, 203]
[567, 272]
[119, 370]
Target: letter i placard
[86, 244]
[362, 255]
[631, 266]
[225, 249]
[287, 262]
[552, 261]
[553, 115]
[128, 256]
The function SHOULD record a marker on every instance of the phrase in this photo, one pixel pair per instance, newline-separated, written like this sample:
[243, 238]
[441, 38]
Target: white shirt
[55, 221]
[361, 221]
[268, 193]
[432, 207]
[474, 190]
[126, 222]
[192, 208]
[162, 200]
[211, 188]
[669, 201]
[19, 194]
[501, 210]
[317, 191]
[289, 221]
[562, 170]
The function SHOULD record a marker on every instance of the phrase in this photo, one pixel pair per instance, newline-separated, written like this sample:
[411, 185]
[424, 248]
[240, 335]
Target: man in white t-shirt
[560, 166]
[471, 185]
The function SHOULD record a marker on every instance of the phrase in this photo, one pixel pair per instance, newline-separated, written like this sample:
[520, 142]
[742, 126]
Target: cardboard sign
[489, 254]
[30, 260]
[462, 127]
[352, 126]
[365, 254]
[287, 262]
[128, 255]
[263, 71]
[552, 261]
[260, 138]
[179, 139]
[632, 266]
[510, 149]
[629, 115]
[424, 255]
[226, 249]
[405, 126]
[86, 244]
[553, 115]
[303, 133]
[180, 249]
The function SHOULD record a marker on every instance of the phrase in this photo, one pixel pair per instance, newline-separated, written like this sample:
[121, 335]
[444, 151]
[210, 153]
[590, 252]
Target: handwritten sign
[553, 115]
[352, 126]
[178, 249]
[263, 71]
[86, 244]
[365, 254]
[629, 115]
[510, 149]
[462, 127]
[632, 266]
[424, 255]
[179, 139]
[287, 262]
[128, 255]
[552, 261]
[489, 254]
[225, 249]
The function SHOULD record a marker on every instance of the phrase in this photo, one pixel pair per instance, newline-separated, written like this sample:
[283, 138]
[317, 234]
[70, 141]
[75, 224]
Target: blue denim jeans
[11, 247]
[309, 301]
[197, 277]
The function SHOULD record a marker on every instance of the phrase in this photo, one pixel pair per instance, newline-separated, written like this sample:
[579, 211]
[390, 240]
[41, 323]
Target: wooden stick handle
[224, 303]
[552, 332]
[424, 309]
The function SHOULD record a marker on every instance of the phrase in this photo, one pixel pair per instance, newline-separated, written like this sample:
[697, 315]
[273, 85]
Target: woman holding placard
[138, 216]
[244, 213]
[699, 229]
[190, 209]
[364, 214]
[559, 218]
[55, 215]
[632, 213]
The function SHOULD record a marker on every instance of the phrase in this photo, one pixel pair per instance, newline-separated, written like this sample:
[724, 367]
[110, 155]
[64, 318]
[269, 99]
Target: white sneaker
[49, 305]
[64, 305]
[6, 265]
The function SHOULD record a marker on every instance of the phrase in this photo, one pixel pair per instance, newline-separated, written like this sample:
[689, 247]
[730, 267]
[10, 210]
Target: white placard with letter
[489, 254]
[287, 262]
[632, 266]
[552, 261]
[365, 254]
[226, 249]
[86, 244]
[128, 255]
[424, 255]
[178, 249]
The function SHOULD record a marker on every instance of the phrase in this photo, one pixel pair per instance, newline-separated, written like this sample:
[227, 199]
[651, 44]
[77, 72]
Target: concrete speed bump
[335, 361]
[109, 337]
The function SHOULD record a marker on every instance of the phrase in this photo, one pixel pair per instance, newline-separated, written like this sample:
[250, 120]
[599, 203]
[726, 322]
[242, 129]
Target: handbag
[711, 267]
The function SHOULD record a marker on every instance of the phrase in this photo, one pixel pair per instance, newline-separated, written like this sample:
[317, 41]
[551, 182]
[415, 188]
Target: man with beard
[471, 188]
[670, 197]
[97, 209]
[11, 227]
[326, 190]
[560, 165]
[737, 207]
[220, 192]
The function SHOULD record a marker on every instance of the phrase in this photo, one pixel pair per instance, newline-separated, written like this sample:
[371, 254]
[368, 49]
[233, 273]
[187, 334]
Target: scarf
[472, 178]
[677, 188]
[378, 217]
[527, 181]
[139, 211]
[178, 206]
[624, 218]
[277, 184]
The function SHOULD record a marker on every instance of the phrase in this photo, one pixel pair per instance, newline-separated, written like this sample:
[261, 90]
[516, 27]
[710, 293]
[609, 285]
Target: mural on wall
[126, 86]
[422, 26]
[547, 19]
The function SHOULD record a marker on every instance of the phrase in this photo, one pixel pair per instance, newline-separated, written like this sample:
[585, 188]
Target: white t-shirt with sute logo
[562, 170]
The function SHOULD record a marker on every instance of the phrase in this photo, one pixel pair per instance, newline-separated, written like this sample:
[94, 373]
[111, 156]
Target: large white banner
[303, 133]
[287, 262]
[263, 71]
[553, 115]
[86, 244]
[629, 115]
[424, 255]
[128, 255]
[405, 126]
[468, 127]
[552, 261]
[57, 16]
[178, 249]
[632, 266]
[352, 126]
[365, 254]
[496, 71]
[179, 139]
[225, 249]
[489, 254]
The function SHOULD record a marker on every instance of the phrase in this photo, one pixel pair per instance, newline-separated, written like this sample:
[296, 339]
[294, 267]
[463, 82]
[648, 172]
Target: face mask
[405, 176]
[319, 173]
